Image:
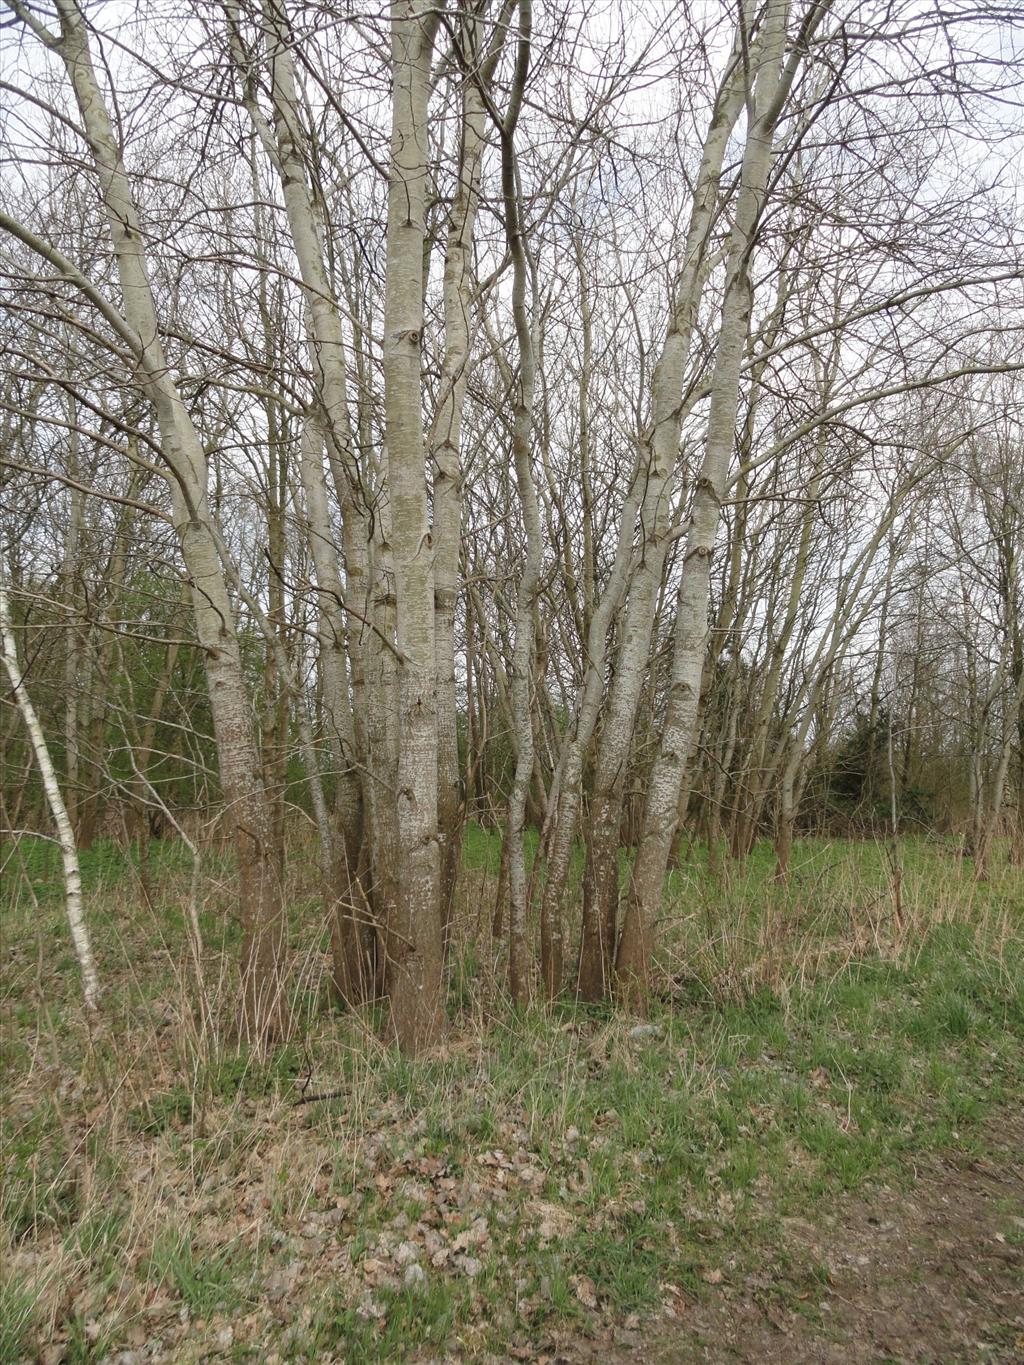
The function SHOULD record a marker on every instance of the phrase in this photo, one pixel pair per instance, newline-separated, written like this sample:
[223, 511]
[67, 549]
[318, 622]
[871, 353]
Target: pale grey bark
[656, 468]
[263, 1006]
[75, 637]
[522, 664]
[445, 436]
[759, 728]
[413, 935]
[284, 140]
[353, 934]
[55, 800]
[772, 80]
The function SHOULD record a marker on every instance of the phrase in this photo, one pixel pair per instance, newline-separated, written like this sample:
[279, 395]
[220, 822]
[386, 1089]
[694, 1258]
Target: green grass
[202, 1279]
[40, 1190]
[17, 1310]
[35, 867]
[804, 1044]
[425, 1315]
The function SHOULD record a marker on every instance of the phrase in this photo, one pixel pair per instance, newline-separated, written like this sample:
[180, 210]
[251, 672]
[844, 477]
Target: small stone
[415, 1276]
[469, 1265]
[280, 1283]
[406, 1254]
[641, 1031]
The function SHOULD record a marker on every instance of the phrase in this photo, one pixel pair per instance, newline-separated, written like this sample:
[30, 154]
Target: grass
[202, 1279]
[544, 1175]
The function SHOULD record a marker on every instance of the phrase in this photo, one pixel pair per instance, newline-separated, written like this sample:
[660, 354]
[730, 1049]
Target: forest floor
[811, 1149]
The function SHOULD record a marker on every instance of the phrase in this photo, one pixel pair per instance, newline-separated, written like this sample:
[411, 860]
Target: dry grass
[550, 1174]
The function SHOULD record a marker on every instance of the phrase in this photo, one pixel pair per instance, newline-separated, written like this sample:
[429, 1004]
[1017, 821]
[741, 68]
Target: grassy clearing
[544, 1176]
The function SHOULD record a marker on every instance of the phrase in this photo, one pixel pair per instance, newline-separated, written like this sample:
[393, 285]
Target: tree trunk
[65, 834]
[634, 957]
[263, 1013]
[445, 439]
[353, 934]
[522, 448]
[414, 938]
[656, 470]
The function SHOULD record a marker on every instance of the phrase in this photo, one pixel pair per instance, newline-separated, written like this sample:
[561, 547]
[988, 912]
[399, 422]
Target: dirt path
[933, 1274]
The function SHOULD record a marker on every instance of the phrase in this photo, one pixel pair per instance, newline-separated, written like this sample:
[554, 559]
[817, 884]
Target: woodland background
[512, 523]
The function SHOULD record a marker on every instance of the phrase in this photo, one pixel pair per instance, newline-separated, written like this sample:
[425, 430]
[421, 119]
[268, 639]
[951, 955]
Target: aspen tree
[413, 935]
[263, 1013]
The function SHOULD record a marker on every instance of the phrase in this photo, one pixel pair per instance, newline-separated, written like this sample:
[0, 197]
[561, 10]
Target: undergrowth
[544, 1175]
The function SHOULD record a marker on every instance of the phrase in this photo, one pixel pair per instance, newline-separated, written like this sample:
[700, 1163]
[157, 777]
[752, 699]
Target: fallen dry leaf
[585, 1290]
[473, 1236]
